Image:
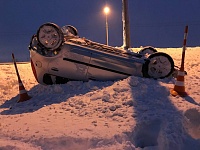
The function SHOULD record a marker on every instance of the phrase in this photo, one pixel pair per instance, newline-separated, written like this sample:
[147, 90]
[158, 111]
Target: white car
[59, 55]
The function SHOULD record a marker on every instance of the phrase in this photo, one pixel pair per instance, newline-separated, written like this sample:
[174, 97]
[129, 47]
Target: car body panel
[81, 59]
[78, 63]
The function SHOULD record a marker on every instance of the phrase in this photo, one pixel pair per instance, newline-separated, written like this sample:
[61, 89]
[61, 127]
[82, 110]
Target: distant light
[106, 10]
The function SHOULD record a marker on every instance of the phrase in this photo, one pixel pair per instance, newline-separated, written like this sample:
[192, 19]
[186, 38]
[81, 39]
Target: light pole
[106, 11]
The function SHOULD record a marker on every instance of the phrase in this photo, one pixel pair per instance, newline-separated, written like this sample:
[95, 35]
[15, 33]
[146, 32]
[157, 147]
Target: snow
[131, 114]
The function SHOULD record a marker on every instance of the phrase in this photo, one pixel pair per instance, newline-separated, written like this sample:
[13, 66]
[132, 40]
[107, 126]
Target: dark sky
[159, 23]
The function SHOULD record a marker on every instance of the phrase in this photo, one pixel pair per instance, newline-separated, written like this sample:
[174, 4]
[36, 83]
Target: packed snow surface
[131, 114]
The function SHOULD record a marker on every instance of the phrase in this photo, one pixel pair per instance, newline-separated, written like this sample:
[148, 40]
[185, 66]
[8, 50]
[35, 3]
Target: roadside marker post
[22, 91]
[179, 88]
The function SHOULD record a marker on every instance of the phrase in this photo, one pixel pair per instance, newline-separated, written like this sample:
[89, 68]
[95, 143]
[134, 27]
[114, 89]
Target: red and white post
[22, 91]
[184, 48]
[179, 88]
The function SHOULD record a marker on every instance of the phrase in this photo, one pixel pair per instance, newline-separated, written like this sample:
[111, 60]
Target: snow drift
[134, 113]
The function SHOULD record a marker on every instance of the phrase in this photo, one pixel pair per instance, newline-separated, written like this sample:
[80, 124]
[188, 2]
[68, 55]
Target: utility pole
[126, 25]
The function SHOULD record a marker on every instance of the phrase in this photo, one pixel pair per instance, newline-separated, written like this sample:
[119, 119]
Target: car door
[72, 63]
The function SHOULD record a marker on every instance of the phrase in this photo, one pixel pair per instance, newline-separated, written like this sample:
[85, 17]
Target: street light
[106, 11]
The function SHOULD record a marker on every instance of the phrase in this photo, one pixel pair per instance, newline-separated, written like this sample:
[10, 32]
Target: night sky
[159, 23]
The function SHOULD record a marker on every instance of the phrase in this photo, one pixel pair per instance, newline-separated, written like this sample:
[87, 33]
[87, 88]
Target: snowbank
[134, 113]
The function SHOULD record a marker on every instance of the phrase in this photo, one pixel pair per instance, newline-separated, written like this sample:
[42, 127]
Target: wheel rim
[50, 36]
[159, 66]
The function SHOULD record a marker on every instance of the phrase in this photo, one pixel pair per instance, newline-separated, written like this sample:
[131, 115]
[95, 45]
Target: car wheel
[158, 65]
[50, 36]
[69, 30]
[147, 51]
[33, 43]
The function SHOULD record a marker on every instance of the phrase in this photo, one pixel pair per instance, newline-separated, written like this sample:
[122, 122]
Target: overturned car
[59, 55]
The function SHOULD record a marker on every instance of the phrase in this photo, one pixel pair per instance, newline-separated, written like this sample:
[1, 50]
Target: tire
[56, 37]
[33, 43]
[158, 65]
[69, 29]
[146, 51]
